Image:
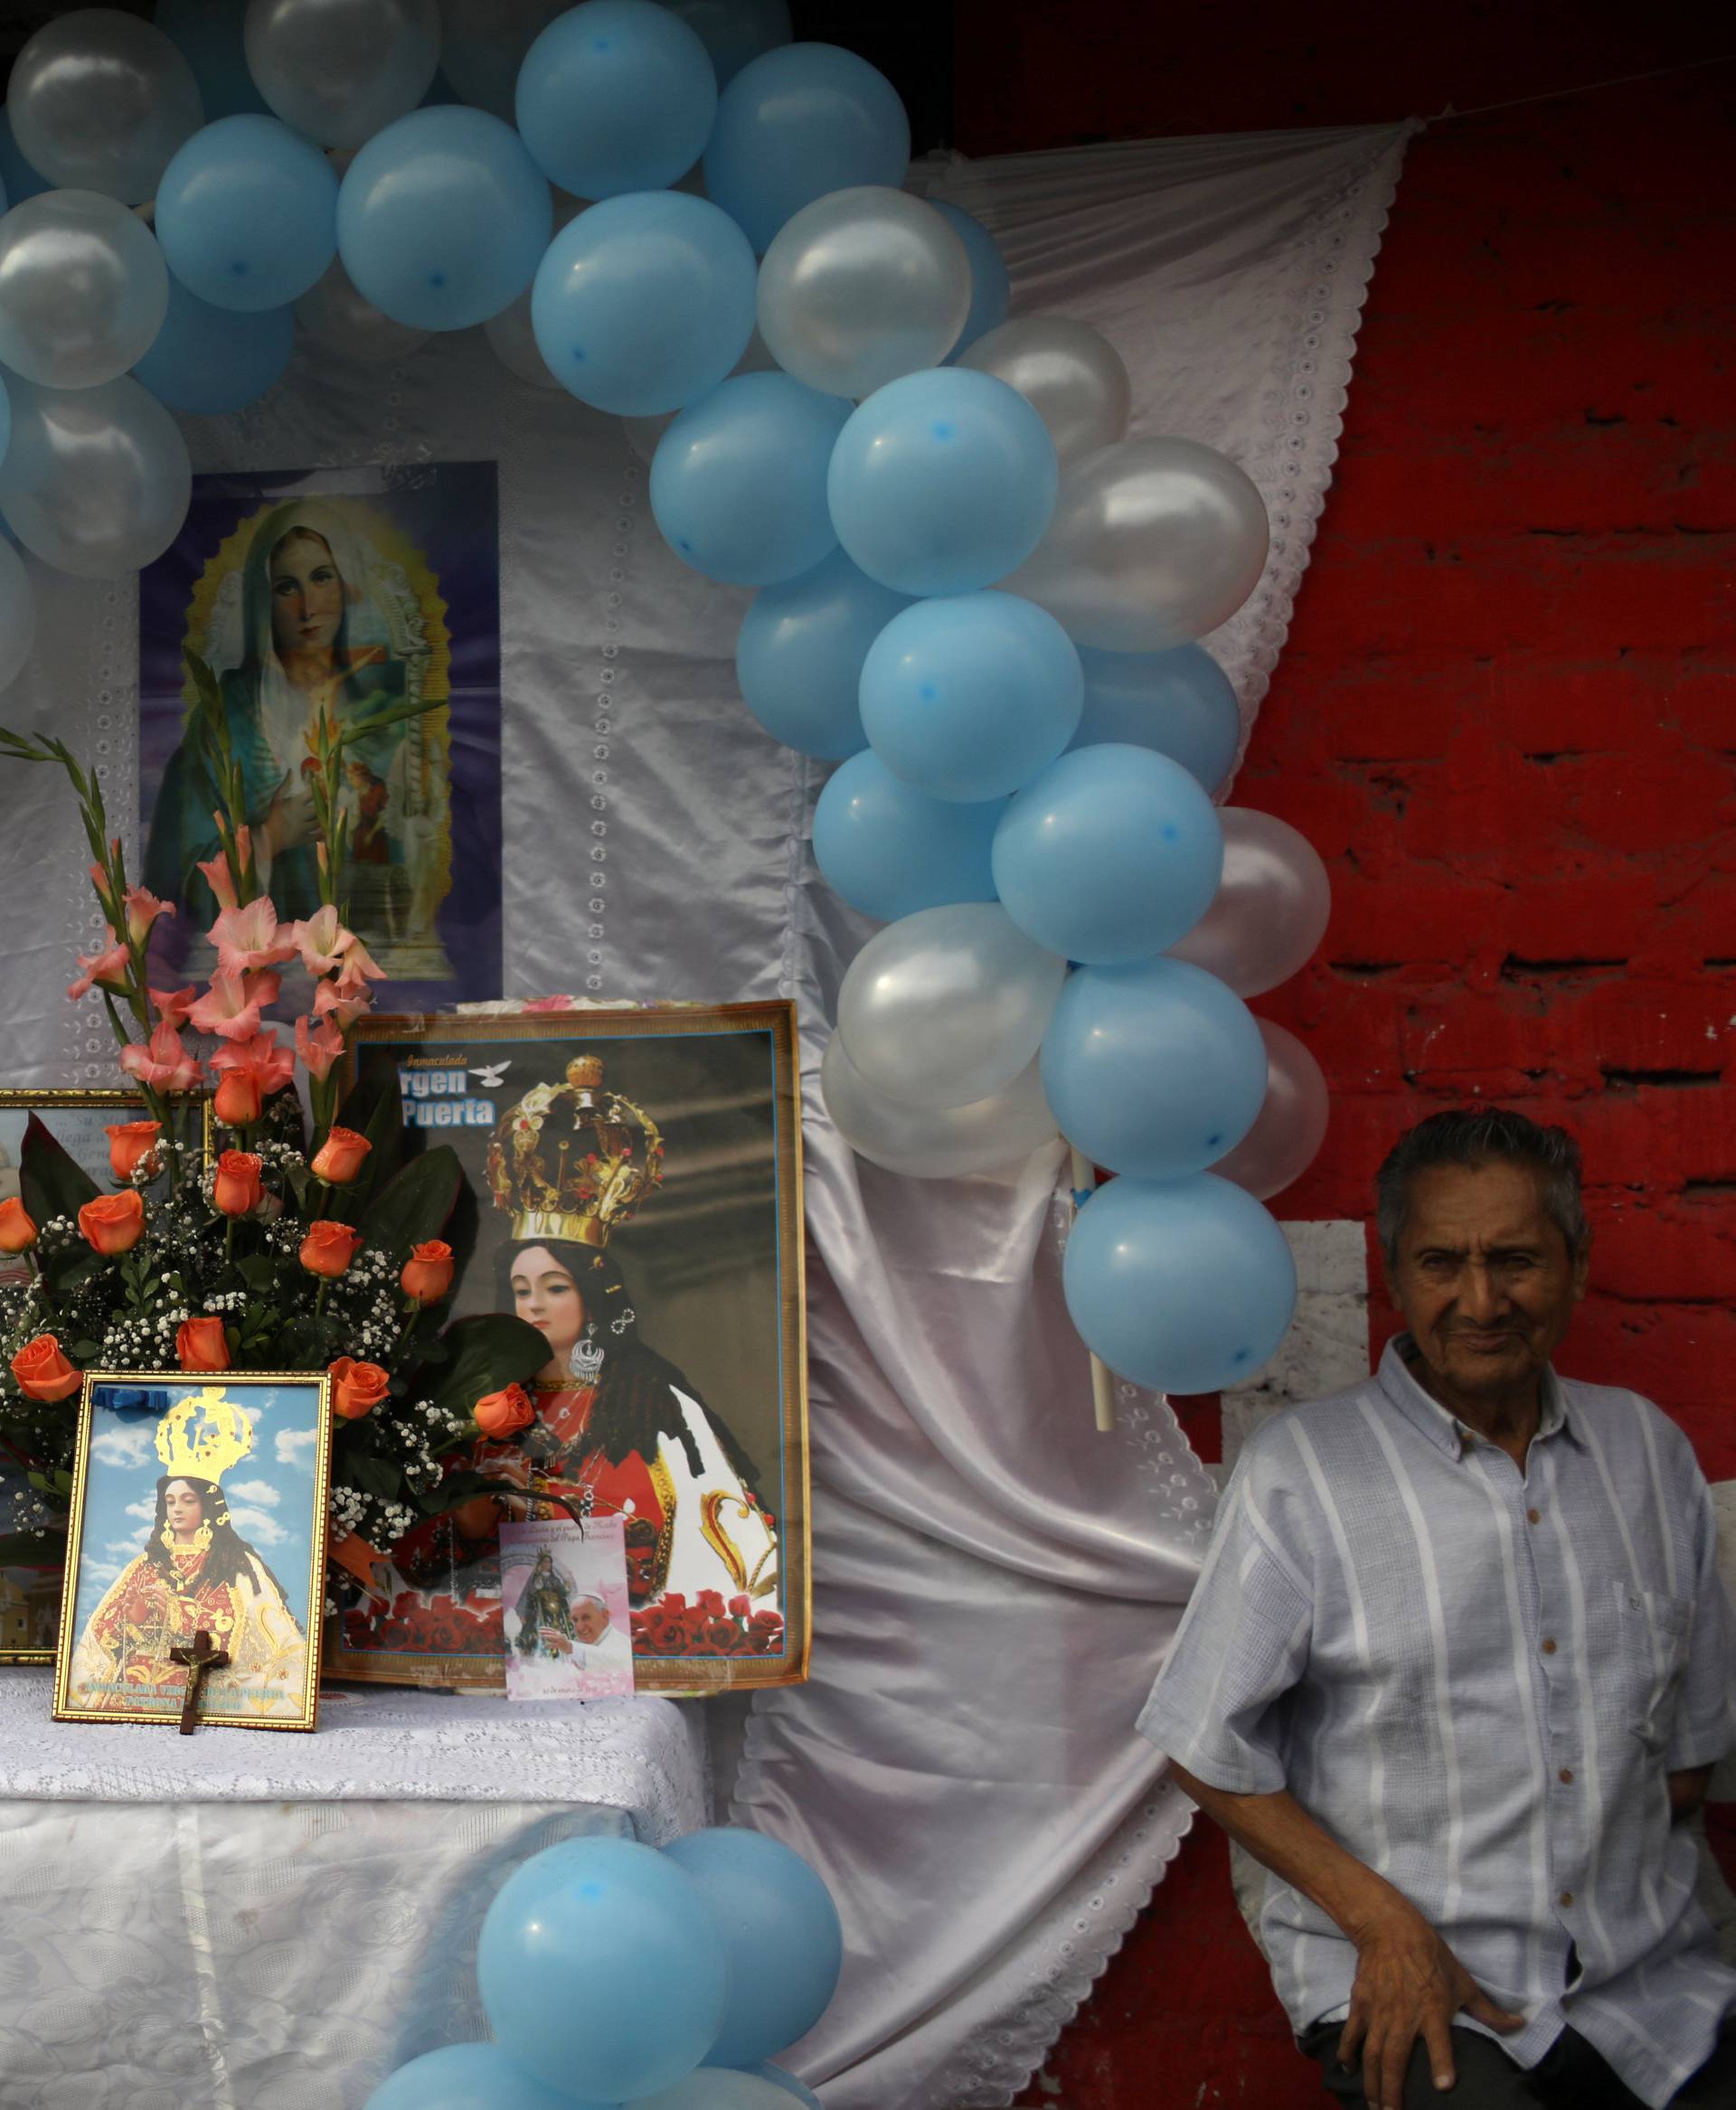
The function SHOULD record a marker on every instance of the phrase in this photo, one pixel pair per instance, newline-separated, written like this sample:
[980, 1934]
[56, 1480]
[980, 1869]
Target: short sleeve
[1704, 1728]
[1242, 1646]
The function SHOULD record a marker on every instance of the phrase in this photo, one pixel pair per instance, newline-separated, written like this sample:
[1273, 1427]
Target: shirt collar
[1439, 1424]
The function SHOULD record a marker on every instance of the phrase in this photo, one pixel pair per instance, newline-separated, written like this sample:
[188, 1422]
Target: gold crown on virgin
[572, 1160]
[203, 1437]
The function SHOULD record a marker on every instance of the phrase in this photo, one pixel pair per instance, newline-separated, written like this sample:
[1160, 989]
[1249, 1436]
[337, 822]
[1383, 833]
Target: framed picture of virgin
[199, 1506]
[637, 1178]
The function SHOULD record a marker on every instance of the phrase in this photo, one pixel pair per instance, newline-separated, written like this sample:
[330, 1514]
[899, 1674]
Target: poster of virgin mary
[339, 595]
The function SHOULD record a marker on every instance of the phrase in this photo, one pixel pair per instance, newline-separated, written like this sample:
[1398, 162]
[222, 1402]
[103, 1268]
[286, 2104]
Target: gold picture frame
[29, 1595]
[691, 1222]
[128, 1596]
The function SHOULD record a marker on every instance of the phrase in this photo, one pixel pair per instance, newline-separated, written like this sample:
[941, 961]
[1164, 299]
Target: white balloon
[101, 101]
[1291, 1124]
[17, 614]
[947, 1005]
[96, 481]
[342, 69]
[1152, 543]
[861, 287]
[83, 288]
[935, 1142]
[1271, 907]
[1070, 374]
[336, 318]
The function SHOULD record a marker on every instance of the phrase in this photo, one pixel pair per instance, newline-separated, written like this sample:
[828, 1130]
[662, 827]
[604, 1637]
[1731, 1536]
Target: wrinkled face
[589, 1620]
[306, 594]
[1484, 1276]
[183, 1510]
[546, 1296]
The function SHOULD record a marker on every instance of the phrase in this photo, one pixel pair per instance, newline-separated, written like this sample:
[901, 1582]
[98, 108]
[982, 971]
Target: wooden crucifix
[199, 1659]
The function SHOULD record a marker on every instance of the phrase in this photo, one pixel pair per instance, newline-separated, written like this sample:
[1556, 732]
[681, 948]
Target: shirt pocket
[1654, 1628]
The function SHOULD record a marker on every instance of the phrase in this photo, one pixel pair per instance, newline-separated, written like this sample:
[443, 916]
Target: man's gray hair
[1477, 1136]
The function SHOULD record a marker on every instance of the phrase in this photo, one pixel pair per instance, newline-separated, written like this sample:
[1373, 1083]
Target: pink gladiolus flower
[549, 1004]
[107, 969]
[322, 940]
[318, 1046]
[272, 1064]
[163, 1063]
[250, 938]
[343, 1001]
[174, 1006]
[216, 871]
[232, 1009]
[143, 909]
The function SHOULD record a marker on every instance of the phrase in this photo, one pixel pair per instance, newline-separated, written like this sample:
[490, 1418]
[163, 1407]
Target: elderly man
[1457, 1667]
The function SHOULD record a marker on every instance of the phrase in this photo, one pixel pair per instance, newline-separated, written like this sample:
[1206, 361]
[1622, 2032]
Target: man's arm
[1409, 1983]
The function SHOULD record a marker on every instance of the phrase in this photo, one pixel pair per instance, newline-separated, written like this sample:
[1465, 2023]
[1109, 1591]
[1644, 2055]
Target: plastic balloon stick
[1102, 1379]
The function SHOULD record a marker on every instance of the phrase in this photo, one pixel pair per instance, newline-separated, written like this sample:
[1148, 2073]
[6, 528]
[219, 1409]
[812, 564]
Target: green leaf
[415, 1203]
[257, 1270]
[54, 1183]
[374, 1476]
[488, 1352]
[374, 1107]
[81, 1351]
[366, 724]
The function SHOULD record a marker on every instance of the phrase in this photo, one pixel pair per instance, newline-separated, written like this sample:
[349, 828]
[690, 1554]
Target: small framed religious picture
[96, 1128]
[636, 1174]
[196, 1551]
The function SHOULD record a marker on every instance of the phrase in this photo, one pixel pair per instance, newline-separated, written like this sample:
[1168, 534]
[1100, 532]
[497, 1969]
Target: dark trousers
[1570, 2076]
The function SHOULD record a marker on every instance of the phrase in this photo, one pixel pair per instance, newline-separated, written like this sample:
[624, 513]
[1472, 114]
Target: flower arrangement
[238, 1235]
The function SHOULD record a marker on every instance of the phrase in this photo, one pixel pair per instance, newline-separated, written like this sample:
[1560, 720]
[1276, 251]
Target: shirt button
[1566, 1776]
[1567, 1896]
[1549, 1646]
[1533, 1516]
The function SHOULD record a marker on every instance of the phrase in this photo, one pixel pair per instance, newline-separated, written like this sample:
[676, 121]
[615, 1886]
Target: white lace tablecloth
[240, 1920]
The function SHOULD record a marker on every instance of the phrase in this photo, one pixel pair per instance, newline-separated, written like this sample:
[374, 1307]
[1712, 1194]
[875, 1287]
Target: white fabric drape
[995, 1583]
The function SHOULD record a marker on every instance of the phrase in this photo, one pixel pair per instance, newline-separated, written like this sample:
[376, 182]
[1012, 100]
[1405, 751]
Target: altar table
[248, 1920]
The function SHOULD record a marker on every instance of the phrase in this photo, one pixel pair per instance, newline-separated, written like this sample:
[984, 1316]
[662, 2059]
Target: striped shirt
[1476, 1678]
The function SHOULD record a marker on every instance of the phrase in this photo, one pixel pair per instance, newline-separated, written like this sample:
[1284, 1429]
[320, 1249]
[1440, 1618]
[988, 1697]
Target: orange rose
[357, 1388]
[17, 1232]
[130, 1143]
[498, 1414]
[201, 1344]
[113, 1223]
[329, 1248]
[43, 1371]
[428, 1272]
[238, 1189]
[237, 1101]
[339, 1158]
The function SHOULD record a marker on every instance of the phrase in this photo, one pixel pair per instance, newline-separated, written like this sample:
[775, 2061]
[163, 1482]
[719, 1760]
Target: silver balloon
[101, 101]
[1291, 1124]
[935, 1142]
[1271, 910]
[1152, 543]
[483, 45]
[17, 614]
[861, 287]
[335, 316]
[341, 69]
[947, 1005]
[96, 481]
[83, 288]
[1069, 373]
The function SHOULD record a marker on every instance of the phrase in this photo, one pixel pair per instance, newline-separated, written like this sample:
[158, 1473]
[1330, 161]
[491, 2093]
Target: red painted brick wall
[1507, 715]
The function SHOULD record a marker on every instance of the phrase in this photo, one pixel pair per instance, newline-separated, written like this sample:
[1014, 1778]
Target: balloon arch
[976, 593]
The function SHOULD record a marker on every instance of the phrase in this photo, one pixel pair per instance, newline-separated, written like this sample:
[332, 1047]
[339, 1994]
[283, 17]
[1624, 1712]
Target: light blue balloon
[598, 1959]
[991, 291]
[464, 2077]
[18, 179]
[208, 34]
[738, 482]
[1185, 1285]
[616, 96]
[789, 2084]
[969, 697]
[1180, 703]
[795, 123]
[735, 31]
[210, 359]
[1111, 854]
[891, 850]
[644, 303]
[442, 218]
[1154, 1069]
[781, 1933]
[799, 655]
[942, 481]
[247, 214]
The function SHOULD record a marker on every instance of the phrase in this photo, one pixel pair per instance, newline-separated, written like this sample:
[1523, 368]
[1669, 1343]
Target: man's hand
[1408, 1985]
